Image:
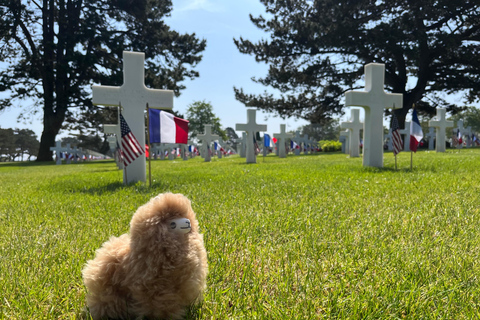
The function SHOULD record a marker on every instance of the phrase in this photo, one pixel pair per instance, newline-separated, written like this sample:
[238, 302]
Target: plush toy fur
[152, 272]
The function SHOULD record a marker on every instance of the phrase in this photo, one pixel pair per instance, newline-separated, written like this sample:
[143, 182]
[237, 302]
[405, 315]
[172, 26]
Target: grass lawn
[305, 237]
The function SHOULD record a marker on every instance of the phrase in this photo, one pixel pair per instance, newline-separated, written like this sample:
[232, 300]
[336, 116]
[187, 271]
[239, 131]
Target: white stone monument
[133, 97]
[344, 137]
[374, 100]
[406, 136]
[241, 150]
[298, 140]
[441, 124]
[282, 141]
[431, 137]
[58, 151]
[251, 128]
[389, 140]
[466, 134]
[207, 139]
[354, 126]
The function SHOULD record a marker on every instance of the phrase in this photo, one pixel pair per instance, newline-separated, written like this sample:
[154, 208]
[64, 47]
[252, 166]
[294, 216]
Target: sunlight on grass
[315, 236]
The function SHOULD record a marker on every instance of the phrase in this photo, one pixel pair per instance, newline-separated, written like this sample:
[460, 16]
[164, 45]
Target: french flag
[166, 128]
[416, 133]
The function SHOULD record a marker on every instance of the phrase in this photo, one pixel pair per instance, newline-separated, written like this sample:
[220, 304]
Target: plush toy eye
[180, 225]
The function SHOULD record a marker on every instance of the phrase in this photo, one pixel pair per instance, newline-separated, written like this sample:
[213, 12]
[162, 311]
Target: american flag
[119, 153]
[396, 138]
[130, 146]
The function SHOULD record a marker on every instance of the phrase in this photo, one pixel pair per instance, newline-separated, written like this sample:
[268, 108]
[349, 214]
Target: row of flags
[416, 135]
[72, 156]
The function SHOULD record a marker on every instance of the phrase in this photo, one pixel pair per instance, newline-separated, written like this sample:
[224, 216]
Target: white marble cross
[112, 143]
[462, 131]
[406, 133]
[374, 100]
[354, 126]
[431, 137]
[75, 154]
[441, 124]
[466, 134]
[58, 150]
[157, 149]
[80, 154]
[306, 144]
[251, 128]
[191, 153]
[219, 152]
[133, 96]
[183, 151]
[344, 137]
[241, 150]
[207, 139]
[388, 137]
[298, 140]
[112, 129]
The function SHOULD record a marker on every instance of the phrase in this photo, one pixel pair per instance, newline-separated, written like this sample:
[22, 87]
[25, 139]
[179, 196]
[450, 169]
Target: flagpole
[124, 166]
[395, 162]
[411, 160]
[149, 149]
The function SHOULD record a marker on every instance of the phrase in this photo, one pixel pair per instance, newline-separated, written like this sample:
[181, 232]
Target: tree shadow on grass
[103, 189]
[113, 187]
[27, 164]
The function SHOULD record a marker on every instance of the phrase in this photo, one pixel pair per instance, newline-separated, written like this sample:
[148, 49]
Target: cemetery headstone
[344, 139]
[58, 151]
[133, 97]
[441, 124]
[298, 140]
[354, 126]
[464, 133]
[251, 128]
[374, 100]
[406, 136]
[207, 139]
[282, 141]
[389, 140]
[431, 138]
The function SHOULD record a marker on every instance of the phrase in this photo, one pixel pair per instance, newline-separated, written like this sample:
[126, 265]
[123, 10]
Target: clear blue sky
[222, 66]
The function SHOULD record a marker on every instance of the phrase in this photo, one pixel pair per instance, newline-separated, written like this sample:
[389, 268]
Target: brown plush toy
[156, 271]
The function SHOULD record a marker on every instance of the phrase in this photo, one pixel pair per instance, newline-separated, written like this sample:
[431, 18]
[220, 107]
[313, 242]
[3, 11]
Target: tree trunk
[50, 126]
[47, 140]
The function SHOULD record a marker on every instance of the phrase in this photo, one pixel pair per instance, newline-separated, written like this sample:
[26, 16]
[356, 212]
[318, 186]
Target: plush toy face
[180, 225]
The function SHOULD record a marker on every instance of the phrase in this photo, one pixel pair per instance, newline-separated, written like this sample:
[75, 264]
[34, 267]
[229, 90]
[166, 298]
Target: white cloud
[205, 5]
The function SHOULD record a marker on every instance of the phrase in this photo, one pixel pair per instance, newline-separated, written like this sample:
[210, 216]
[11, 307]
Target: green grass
[305, 237]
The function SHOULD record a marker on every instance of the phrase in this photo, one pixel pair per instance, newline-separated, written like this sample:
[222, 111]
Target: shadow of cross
[133, 96]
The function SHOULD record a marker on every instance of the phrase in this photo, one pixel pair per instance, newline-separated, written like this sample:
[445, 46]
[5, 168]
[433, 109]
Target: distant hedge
[330, 145]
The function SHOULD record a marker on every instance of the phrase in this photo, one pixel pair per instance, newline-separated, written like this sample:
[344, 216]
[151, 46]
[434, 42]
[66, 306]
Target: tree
[200, 113]
[328, 130]
[26, 142]
[232, 136]
[90, 142]
[470, 117]
[56, 49]
[318, 50]
[7, 145]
